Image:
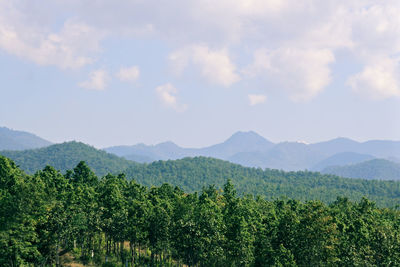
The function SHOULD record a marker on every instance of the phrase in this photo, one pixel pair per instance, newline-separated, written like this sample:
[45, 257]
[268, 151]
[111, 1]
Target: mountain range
[252, 150]
[245, 148]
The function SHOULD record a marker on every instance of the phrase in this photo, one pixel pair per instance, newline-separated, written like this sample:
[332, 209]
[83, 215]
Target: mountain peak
[167, 144]
[19, 140]
[241, 136]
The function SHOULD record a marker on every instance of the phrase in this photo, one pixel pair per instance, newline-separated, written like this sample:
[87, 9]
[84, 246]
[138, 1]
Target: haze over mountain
[244, 148]
[238, 143]
[377, 169]
[253, 150]
[20, 140]
[343, 158]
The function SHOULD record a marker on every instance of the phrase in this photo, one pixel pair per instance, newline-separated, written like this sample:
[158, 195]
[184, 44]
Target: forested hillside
[66, 156]
[379, 169]
[116, 222]
[192, 174]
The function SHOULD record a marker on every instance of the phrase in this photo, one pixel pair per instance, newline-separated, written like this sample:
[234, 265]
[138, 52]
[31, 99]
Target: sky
[196, 71]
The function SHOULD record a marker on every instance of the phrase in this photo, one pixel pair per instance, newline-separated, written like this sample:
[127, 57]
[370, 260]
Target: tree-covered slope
[18, 140]
[66, 156]
[192, 174]
[115, 222]
[379, 169]
[340, 159]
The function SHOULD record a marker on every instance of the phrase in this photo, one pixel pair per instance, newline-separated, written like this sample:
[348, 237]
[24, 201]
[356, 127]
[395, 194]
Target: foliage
[192, 174]
[116, 222]
[379, 169]
[66, 156]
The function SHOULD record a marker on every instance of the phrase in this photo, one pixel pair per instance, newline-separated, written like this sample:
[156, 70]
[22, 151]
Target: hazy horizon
[206, 145]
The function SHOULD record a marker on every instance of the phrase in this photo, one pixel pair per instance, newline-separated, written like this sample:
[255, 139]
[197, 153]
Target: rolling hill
[340, 159]
[379, 169]
[66, 156]
[192, 174]
[19, 140]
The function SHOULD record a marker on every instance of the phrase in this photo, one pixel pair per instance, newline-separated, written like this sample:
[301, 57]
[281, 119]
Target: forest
[113, 221]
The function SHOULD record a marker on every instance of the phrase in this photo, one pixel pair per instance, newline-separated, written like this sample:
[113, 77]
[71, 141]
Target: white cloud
[256, 99]
[214, 65]
[167, 94]
[377, 81]
[302, 73]
[130, 74]
[98, 80]
[73, 46]
[315, 30]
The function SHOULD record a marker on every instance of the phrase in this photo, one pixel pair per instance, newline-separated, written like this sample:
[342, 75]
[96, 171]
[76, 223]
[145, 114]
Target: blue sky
[194, 72]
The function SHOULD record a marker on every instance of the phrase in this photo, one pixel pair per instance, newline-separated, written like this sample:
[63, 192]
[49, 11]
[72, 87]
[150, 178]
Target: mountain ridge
[20, 140]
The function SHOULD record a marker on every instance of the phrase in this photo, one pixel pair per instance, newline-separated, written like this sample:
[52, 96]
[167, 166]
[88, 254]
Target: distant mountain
[252, 150]
[18, 140]
[379, 169]
[289, 156]
[380, 148]
[343, 158]
[238, 142]
[66, 156]
[337, 145]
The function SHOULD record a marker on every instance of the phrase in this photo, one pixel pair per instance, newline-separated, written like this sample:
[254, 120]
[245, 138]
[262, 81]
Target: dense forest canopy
[116, 222]
[192, 174]
[66, 156]
[372, 169]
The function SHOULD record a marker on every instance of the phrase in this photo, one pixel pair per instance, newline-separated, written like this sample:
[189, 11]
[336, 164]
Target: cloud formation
[129, 74]
[294, 43]
[256, 99]
[71, 47]
[167, 94]
[214, 65]
[377, 81]
[98, 80]
[302, 73]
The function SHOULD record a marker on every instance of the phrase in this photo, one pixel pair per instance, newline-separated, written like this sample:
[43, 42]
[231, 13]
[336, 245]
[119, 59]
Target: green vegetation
[192, 174]
[116, 222]
[66, 156]
[379, 169]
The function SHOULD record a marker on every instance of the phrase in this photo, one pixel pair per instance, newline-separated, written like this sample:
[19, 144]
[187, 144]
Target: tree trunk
[132, 246]
[152, 258]
[57, 256]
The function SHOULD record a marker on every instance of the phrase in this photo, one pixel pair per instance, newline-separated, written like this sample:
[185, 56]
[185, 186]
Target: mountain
[288, 156]
[343, 158]
[238, 142]
[381, 148]
[337, 145]
[378, 169]
[18, 140]
[66, 156]
[192, 174]
[252, 150]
